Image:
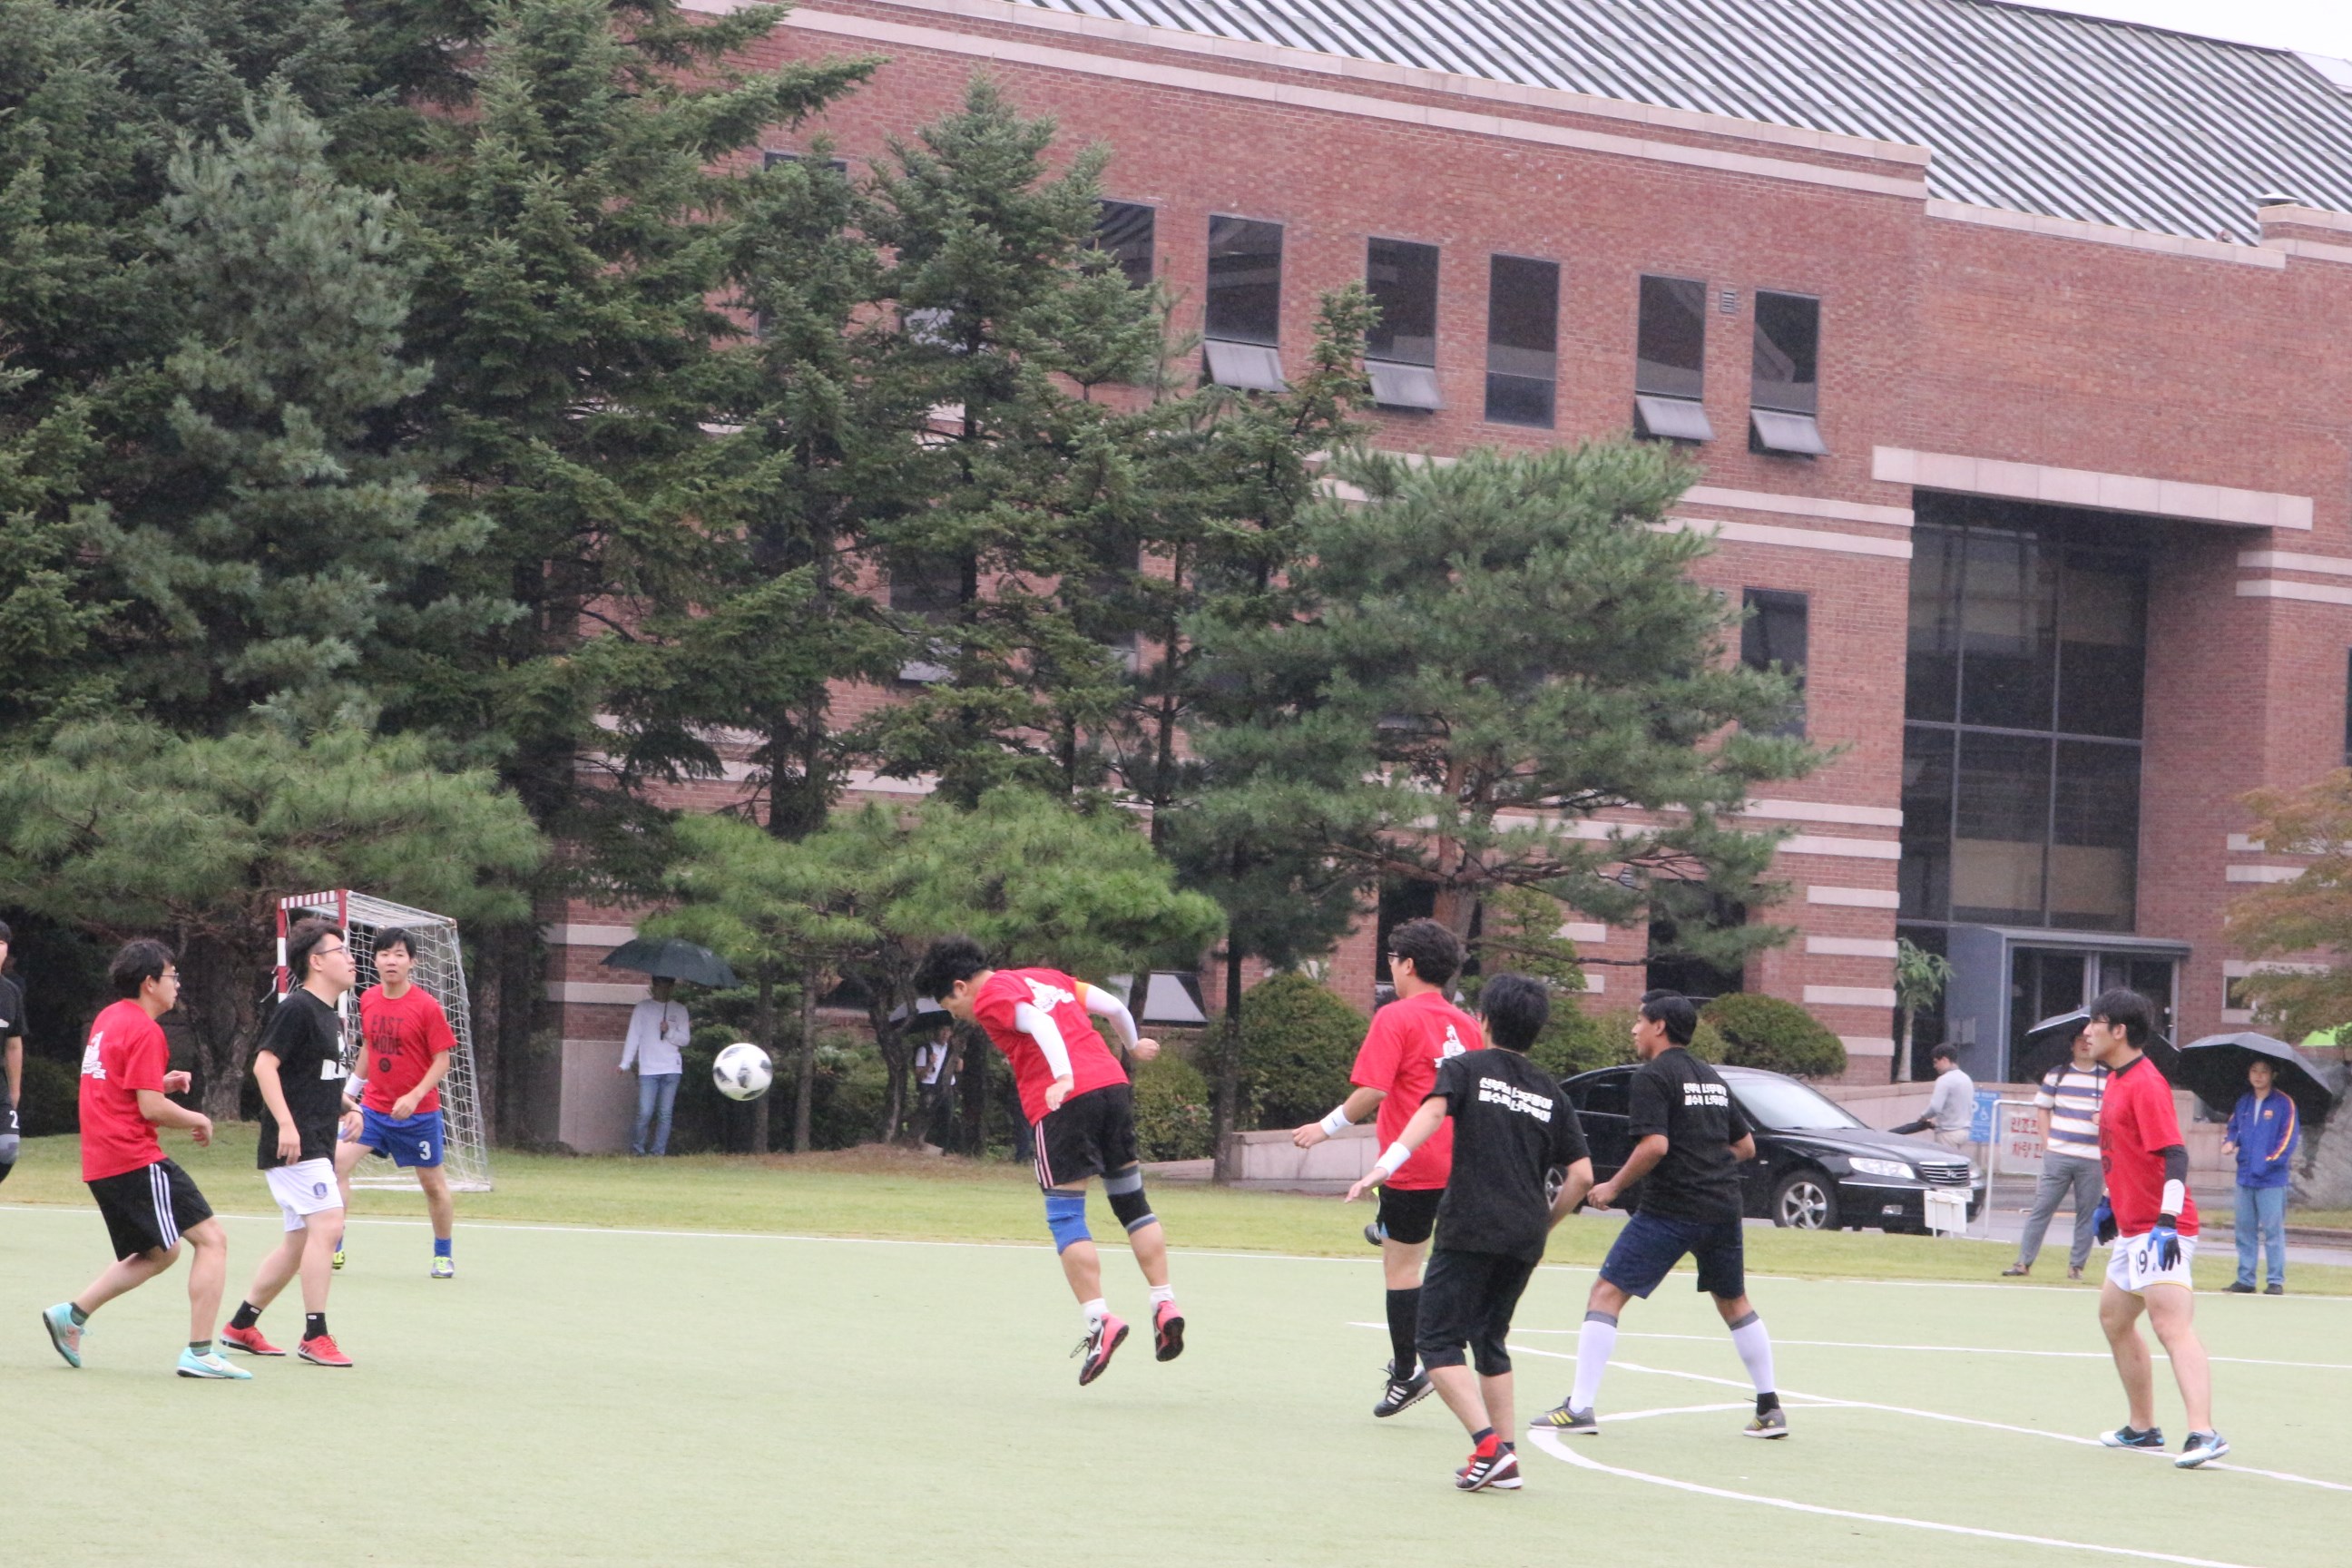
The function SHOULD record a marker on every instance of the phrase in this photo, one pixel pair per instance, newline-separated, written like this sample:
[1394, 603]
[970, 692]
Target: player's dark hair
[136, 961]
[1943, 1053]
[6, 934]
[2127, 1010]
[397, 936]
[1675, 1011]
[949, 960]
[1435, 951]
[1515, 1009]
[303, 940]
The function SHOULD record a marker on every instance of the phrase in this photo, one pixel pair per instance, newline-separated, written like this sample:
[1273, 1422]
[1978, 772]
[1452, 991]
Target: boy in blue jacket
[2262, 1134]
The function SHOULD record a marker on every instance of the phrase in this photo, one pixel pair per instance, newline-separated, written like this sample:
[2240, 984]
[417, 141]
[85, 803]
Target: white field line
[1963, 1349]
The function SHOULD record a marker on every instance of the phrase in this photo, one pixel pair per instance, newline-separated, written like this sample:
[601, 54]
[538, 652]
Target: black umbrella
[2064, 1026]
[667, 958]
[2214, 1069]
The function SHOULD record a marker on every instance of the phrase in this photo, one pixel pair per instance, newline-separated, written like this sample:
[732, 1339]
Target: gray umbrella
[2214, 1070]
[667, 958]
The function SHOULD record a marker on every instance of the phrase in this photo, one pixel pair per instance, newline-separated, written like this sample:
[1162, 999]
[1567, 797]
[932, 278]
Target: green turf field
[678, 1388]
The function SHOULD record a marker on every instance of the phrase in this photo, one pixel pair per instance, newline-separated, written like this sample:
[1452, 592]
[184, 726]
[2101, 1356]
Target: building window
[1784, 388]
[1773, 637]
[1243, 322]
[1677, 911]
[2021, 749]
[2347, 709]
[1522, 341]
[1401, 351]
[1670, 360]
[1124, 231]
[928, 588]
[771, 158]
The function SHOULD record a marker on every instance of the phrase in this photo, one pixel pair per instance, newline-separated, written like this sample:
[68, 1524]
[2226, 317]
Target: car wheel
[1805, 1200]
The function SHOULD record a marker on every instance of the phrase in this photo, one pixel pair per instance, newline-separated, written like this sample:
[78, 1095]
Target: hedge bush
[49, 1098]
[1575, 1042]
[1299, 1042]
[1781, 1036]
[1172, 1108]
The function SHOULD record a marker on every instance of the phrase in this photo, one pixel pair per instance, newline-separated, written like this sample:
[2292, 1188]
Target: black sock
[1404, 1323]
[247, 1314]
[1766, 1403]
[80, 1317]
[313, 1324]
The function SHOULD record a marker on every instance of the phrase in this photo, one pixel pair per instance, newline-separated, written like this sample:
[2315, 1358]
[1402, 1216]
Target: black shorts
[1467, 1297]
[1409, 1214]
[1092, 1135]
[1650, 1245]
[149, 1208]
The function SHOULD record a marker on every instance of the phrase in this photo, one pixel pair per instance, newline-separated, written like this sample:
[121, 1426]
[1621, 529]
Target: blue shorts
[413, 1142]
[1650, 1245]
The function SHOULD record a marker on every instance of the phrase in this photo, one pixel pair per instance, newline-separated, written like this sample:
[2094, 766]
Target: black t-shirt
[1511, 1124]
[306, 1035]
[1675, 1093]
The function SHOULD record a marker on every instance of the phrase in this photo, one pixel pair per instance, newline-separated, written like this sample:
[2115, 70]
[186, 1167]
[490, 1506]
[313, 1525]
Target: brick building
[2012, 344]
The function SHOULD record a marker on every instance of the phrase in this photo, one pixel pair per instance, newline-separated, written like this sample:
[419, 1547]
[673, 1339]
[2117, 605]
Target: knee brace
[1066, 1217]
[1127, 1200]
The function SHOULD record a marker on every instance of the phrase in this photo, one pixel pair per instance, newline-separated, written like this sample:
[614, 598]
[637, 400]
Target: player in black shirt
[12, 1055]
[1690, 1140]
[299, 1068]
[1512, 1127]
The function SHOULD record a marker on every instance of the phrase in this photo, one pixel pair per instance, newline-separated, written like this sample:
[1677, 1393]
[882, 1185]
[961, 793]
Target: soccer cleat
[1402, 1393]
[1562, 1417]
[1772, 1423]
[1498, 1471]
[1167, 1332]
[320, 1349]
[249, 1341]
[2129, 1436]
[1106, 1337]
[444, 1267]
[338, 1259]
[2202, 1448]
[64, 1332]
[209, 1364]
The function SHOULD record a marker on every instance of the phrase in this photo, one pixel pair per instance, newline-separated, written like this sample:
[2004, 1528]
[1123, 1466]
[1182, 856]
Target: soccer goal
[441, 971]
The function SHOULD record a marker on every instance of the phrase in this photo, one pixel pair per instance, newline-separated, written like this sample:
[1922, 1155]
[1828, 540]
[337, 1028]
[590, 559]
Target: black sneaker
[2240, 1287]
[1562, 1417]
[1494, 1472]
[1402, 1392]
[1106, 1337]
[2129, 1436]
[2274, 1289]
[2200, 1448]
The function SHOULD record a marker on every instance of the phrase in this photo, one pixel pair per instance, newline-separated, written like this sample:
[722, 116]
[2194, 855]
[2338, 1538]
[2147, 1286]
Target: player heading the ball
[405, 1053]
[1077, 1098]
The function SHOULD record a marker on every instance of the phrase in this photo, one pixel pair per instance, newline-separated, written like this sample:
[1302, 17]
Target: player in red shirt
[404, 1046]
[1395, 1069]
[2152, 1220]
[1076, 1096]
[149, 1203]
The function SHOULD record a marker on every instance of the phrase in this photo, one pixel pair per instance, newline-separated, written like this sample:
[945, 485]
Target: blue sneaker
[210, 1365]
[64, 1332]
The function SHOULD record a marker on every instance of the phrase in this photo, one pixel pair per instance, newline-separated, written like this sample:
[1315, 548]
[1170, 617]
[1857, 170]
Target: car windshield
[1787, 1106]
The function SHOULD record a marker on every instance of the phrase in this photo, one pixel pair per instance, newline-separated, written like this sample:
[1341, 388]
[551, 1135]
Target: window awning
[1799, 434]
[1398, 386]
[1252, 367]
[1671, 418]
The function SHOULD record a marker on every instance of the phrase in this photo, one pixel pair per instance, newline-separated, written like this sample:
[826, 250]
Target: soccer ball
[742, 1071]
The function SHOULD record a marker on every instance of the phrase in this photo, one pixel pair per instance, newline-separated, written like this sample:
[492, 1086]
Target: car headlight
[1882, 1168]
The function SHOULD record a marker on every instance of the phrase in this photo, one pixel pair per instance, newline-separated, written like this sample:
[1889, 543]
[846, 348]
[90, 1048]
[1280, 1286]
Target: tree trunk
[805, 1079]
[763, 1023]
[1902, 1063]
[219, 999]
[1225, 1101]
[975, 1093]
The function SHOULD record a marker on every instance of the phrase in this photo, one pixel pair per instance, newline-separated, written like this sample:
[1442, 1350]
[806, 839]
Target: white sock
[1162, 1293]
[1096, 1312]
[1595, 1343]
[1755, 1348]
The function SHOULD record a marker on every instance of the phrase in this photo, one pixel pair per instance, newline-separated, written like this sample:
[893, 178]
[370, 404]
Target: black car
[1816, 1166]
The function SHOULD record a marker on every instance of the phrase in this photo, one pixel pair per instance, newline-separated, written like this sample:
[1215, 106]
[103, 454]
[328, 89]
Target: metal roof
[2029, 109]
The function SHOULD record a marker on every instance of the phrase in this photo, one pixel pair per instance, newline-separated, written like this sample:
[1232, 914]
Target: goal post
[440, 970]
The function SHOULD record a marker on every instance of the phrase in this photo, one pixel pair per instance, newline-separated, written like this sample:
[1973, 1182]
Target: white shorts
[2133, 1266]
[304, 1189]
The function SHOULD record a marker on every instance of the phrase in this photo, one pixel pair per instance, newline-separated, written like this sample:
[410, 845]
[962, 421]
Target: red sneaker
[320, 1349]
[1108, 1336]
[249, 1341]
[1167, 1332]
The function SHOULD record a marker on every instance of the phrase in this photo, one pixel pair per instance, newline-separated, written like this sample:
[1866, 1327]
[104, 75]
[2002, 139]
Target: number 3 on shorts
[425, 1147]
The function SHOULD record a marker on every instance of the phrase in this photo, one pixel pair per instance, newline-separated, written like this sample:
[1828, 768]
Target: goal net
[441, 971]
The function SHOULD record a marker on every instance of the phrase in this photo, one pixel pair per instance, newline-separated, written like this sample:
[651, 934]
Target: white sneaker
[210, 1365]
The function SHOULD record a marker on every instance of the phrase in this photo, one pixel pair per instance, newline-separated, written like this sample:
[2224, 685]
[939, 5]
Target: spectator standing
[658, 1030]
[1952, 1104]
[2069, 1098]
[2262, 1133]
[12, 1055]
[935, 1071]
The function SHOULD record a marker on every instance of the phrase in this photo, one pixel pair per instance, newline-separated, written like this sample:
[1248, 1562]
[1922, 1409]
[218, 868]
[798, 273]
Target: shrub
[1172, 1108]
[50, 1100]
[1781, 1036]
[1299, 1042]
[1574, 1042]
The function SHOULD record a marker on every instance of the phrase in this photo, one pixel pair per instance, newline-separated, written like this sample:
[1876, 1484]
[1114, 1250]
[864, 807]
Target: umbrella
[2066, 1025]
[667, 958]
[2214, 1069]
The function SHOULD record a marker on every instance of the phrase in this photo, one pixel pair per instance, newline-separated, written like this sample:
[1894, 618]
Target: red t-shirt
[1400, 1054]
[401, 1039]
[1057, 996]
[2136, 1120]
[126, 1053]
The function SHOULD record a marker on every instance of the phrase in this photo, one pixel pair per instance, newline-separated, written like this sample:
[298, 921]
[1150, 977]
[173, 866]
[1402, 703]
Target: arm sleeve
[629, 1049]
[2286, 1138]
[1038, 1025]
[2176, 1163]
[1103, 1004]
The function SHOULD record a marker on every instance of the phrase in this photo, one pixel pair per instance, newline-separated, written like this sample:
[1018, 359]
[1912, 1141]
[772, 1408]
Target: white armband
[1394, 1155]
[2175, 1196]
[1336, 1123]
